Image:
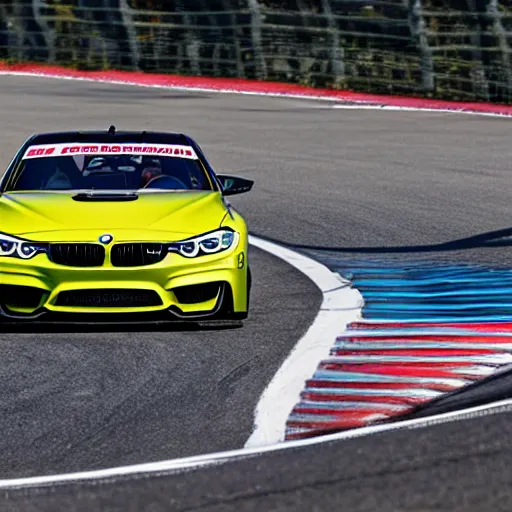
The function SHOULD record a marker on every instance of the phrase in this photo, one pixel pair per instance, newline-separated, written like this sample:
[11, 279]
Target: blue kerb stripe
[424, 291]
[485, 317]
[442, 294]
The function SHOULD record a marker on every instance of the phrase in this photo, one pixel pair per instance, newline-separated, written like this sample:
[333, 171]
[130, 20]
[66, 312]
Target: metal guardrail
[441, 48]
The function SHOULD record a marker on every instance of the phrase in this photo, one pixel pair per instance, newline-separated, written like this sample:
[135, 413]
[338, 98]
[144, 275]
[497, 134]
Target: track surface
[77, 400]
[434, 469]
[350, 181]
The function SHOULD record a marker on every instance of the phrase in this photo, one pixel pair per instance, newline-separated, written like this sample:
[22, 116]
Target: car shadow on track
[101, 327]
[498, 238]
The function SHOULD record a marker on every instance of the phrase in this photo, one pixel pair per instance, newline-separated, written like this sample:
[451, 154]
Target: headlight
[16, 248]
[209, 243]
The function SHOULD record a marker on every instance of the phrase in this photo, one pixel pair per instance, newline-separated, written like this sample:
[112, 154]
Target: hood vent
[91, 196]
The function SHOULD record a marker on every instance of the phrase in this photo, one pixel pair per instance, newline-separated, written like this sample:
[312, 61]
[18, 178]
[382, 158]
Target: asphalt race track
[334, 182]
[89, 400]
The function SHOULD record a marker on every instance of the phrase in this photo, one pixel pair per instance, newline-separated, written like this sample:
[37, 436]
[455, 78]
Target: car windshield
[110, 167]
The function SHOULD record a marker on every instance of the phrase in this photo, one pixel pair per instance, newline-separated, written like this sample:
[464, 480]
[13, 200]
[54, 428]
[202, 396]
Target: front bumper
[29, 289]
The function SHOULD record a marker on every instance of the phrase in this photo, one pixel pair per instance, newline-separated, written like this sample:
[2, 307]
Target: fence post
[257, 39]
[337, 51]
[127, 20]
[501, 35]
[420, 33]
[191, 47]
[47, 32]
[479, 82]
[19, 29]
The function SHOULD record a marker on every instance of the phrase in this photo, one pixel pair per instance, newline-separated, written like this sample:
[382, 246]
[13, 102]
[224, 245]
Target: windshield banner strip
[51, 150]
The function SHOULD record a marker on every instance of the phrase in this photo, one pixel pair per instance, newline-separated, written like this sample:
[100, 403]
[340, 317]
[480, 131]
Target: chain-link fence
[457, 49]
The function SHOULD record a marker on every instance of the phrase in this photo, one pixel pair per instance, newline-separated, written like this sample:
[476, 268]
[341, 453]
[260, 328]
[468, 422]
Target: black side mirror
[232, 185]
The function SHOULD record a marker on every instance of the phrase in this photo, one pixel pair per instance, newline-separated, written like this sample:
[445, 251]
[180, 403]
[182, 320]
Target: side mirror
[232, 185]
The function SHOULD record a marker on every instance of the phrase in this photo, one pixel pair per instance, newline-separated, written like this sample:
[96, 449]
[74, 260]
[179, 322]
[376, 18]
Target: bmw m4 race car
[112, 223]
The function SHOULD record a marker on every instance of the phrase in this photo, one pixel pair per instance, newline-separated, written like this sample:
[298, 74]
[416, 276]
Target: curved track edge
[202, 461]
[345, 99]
[341, 305]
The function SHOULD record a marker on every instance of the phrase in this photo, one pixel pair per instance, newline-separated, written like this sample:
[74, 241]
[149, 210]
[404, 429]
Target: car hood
[56, 216]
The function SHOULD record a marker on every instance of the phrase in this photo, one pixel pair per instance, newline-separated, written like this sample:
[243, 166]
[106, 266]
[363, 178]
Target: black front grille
[77, 255]
[109, 298]
[196, 293]
[136, 255]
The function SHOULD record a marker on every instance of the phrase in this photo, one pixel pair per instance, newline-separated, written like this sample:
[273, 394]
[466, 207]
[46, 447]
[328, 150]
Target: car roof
[110, 137]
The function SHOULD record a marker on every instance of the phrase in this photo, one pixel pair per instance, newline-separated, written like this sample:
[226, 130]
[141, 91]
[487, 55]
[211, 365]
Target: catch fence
[438, 48]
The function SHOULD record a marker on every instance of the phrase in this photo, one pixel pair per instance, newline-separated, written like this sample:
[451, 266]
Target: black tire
[249, 285]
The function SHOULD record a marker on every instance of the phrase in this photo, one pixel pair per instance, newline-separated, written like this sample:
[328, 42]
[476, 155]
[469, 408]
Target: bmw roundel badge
[106, 239]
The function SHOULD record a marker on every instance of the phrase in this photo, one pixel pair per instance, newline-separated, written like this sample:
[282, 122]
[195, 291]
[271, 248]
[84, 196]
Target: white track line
[340, 306]
[223, 90]
[337, 102]
[396, 108]
[202, 461]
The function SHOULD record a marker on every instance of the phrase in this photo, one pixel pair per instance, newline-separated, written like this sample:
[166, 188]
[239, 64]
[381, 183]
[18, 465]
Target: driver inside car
[149, 174]
[58, 181]
[154, 176]
[66, 175]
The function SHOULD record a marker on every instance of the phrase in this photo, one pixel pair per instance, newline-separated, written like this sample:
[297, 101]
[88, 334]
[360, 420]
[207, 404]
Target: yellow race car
[123, 226]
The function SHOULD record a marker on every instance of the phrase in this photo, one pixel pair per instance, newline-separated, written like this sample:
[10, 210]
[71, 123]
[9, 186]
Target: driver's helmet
[150, 170]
